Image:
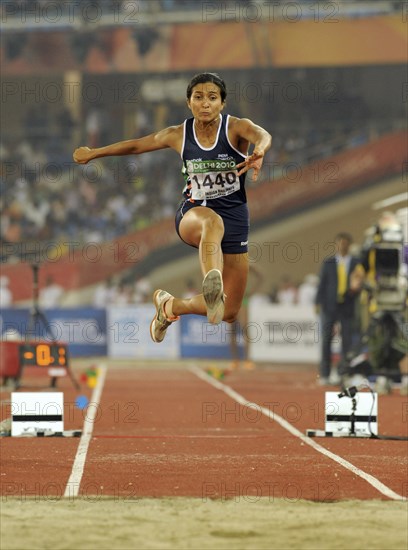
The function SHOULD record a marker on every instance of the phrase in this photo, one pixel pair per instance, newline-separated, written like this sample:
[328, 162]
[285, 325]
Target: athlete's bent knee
[213, 223]
[231, 314]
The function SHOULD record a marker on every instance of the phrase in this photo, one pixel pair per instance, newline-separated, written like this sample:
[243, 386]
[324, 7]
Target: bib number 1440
[214, 184]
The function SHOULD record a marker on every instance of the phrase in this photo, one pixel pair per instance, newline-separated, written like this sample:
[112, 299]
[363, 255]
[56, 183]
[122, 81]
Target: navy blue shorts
[236, 226]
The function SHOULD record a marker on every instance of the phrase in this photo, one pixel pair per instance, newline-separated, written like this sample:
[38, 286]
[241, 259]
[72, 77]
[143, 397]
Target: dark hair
[345, 236]
[201, 78]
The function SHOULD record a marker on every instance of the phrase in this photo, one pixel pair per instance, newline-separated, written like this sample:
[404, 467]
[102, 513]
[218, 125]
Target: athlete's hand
[82, 155]
[254, 162]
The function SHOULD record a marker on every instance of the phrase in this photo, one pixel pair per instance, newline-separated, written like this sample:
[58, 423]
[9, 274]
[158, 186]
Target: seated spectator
[142, 291]
[104, 294]
[307, 290]
[6, 296]
[287, 291]
[124, 294]
[51, 295]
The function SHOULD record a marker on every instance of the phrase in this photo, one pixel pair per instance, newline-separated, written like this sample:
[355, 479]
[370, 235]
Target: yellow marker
[91, 382]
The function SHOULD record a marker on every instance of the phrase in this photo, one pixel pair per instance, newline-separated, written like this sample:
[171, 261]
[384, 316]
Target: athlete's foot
[213, 292]
[161, 321]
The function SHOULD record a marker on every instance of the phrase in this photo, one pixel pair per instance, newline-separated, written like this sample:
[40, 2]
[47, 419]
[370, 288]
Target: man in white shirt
[50, 296]
[6, 296]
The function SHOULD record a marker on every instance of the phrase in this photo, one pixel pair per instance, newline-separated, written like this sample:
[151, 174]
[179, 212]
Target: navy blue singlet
[209, 172]
[211, 180]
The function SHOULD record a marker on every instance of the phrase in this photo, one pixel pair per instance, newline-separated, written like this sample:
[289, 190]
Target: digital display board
[43, 355]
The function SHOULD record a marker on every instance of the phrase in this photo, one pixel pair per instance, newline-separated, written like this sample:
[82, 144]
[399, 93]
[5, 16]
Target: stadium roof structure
[86, 15]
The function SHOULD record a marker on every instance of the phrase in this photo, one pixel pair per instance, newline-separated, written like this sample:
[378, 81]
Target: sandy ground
[245, 523]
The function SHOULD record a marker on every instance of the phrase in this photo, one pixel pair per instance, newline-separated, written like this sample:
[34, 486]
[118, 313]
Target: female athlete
[213, 214]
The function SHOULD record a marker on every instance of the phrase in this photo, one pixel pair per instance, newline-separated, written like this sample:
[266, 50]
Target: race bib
[211, 179]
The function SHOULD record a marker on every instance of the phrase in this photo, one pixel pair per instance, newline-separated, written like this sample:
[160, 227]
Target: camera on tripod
[382, 260]
[383, 344]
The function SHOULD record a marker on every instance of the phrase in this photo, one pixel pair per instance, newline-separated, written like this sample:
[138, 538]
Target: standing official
[335, 302]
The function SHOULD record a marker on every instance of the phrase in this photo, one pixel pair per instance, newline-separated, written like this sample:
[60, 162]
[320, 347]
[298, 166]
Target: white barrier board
[339, 410]
[128, 334]
[36, 411]
[285, 334]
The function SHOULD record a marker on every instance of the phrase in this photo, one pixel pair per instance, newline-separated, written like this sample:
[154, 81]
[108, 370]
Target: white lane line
[74, 481]
[378, 485]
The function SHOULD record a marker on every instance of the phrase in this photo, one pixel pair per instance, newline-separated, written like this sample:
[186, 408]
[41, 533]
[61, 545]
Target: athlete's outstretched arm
[260, 138]
[169, 137]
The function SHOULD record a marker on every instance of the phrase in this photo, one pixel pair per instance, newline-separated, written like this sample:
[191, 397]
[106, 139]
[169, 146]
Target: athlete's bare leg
[203, 228]
[234, 275]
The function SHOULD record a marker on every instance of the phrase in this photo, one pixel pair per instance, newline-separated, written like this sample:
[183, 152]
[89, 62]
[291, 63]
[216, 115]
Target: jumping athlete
[213, 214]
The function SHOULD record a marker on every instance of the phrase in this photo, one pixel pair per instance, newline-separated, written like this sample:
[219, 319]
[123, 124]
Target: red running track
[167, 432]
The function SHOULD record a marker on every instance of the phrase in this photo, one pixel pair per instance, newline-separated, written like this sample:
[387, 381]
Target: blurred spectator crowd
[46, 197]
